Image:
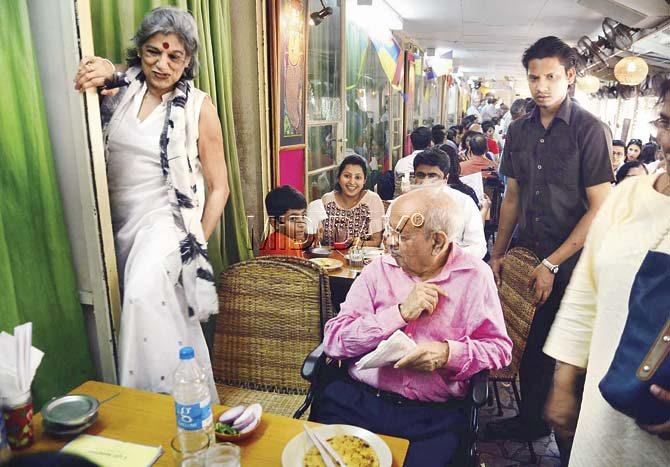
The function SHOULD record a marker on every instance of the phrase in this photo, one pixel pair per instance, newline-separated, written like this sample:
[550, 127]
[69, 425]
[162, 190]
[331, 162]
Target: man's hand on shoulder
[423, 297]
[426, 357]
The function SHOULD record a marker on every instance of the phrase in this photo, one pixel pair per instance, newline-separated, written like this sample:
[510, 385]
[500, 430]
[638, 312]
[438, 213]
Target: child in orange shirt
[287, 210]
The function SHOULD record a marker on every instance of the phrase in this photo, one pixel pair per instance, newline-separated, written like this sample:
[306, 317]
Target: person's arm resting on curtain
[210, 148]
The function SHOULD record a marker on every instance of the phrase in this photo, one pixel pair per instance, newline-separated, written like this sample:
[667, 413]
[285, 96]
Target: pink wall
[292, 168]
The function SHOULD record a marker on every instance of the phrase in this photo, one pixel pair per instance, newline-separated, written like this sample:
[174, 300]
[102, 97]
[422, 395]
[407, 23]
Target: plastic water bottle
[192, 401]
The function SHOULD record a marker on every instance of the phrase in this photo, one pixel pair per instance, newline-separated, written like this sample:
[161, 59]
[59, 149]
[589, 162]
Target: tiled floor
[513, 453]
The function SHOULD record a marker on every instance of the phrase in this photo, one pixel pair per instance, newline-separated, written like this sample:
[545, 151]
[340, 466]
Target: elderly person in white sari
[163, 142]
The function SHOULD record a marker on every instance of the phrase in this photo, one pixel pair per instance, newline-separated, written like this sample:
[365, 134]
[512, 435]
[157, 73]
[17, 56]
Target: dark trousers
[536, 371]
[433, 431]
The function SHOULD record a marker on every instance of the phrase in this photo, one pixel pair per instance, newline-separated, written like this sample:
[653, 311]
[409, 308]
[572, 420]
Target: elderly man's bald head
[424, 223]
[440, 212]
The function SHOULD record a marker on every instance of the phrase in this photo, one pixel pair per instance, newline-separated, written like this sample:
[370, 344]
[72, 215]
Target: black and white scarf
[182, 174]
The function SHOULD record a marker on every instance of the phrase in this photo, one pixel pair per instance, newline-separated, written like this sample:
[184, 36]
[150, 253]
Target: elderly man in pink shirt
[443, 299]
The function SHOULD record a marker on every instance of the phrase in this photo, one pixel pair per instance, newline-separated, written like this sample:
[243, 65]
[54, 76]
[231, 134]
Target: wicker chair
[518, 309]
[272, 312]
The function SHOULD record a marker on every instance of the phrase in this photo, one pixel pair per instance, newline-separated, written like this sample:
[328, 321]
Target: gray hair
[168, 20]
[443, 214]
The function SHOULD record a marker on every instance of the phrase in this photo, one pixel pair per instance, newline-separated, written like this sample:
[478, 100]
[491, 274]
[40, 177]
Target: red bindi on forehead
[166, 45]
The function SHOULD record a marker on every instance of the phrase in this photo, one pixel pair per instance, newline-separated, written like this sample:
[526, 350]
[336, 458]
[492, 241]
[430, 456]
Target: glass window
[322, 143]
[324, 65]
[320, 183]
[368, 99]
[324, 104]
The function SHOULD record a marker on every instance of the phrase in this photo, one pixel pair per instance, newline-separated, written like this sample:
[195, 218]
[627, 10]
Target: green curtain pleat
[36, 271]
[358, 45]
[114, 25]
[230, 243]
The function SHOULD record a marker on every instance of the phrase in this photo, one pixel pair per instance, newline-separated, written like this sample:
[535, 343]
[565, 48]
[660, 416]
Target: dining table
[149, 418]
[341, 278]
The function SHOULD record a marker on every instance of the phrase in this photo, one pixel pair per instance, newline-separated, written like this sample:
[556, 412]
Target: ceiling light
[631, 71]
[318, 16]
[589, 84]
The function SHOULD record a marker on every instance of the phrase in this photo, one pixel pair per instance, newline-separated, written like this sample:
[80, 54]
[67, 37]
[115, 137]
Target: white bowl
[295, 450]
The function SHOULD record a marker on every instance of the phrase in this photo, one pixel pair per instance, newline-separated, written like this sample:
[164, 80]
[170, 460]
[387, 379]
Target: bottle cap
[186, 353]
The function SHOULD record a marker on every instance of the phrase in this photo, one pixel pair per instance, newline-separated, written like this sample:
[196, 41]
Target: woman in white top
[351, 208]
[586, 333]
[163, 141]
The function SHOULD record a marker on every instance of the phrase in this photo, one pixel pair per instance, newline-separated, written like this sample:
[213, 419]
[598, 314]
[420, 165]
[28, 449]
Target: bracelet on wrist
[110, 64]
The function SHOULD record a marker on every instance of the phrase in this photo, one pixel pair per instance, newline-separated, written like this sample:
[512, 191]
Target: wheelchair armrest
[315, 360]
[479, 388]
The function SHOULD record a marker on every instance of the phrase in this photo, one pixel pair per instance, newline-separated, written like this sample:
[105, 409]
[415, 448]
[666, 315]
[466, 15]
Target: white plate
[295, 450]
[372, 251]
[329, 264]
[320, 251]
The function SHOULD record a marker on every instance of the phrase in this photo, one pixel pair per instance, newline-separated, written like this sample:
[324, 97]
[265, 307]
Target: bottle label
[194, 416]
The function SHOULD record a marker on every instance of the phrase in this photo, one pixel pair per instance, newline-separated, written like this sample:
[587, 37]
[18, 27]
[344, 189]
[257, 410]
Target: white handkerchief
[388, 352]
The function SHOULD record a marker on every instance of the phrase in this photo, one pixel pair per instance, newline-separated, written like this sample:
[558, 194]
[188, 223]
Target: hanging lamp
[631, 71]
[588, 84]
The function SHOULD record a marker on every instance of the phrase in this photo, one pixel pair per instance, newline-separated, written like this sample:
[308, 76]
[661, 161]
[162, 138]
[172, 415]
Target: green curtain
[114, 25]
[357, 44]
[36, 271]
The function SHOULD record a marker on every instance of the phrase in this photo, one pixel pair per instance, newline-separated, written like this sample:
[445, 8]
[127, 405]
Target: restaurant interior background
[294, 99]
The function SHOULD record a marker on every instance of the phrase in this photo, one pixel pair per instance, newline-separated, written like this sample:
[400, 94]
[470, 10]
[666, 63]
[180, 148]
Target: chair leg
[517, 397]
[497, 396]
[308, 401]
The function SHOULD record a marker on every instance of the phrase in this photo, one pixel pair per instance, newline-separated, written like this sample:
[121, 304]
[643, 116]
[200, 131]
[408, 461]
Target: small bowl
[342, 245]
[320, 252]
[234, 438]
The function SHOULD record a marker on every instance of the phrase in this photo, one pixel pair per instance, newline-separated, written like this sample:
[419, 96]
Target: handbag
[641, 359]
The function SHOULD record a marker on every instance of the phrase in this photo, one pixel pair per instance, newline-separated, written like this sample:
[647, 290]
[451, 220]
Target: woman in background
[633, 149]
[351, 208]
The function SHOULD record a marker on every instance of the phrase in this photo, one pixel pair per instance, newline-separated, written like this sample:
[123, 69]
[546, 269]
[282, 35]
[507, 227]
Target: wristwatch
[552, 267]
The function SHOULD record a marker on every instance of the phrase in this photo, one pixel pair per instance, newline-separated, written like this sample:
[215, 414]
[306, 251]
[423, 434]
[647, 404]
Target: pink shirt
[470, 319]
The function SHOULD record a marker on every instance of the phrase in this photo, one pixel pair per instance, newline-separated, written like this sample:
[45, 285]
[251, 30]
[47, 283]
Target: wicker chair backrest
[271, 315]
[516, 301]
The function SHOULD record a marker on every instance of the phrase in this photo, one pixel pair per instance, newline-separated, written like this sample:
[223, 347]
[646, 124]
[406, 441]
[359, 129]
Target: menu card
[112, 453]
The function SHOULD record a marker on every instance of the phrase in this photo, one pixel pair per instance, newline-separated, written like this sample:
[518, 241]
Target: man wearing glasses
[446, 302]
[431, 167]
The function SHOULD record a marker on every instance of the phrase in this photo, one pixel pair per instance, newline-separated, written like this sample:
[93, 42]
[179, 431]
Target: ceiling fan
[581, 62]
[619, 35]
[593, 49]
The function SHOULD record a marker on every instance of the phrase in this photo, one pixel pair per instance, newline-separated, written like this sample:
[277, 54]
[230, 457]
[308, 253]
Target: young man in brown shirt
[557, 162]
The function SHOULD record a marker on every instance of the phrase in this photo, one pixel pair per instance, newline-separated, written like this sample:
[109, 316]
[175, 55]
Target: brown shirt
[553, 167]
